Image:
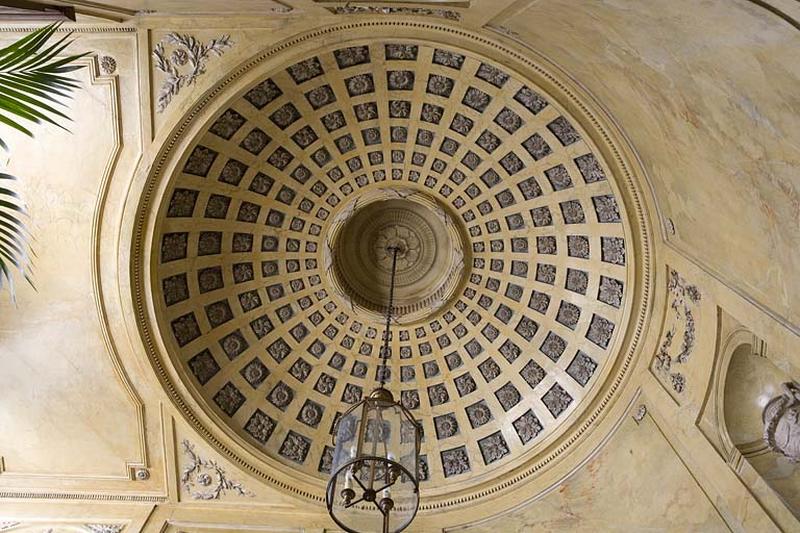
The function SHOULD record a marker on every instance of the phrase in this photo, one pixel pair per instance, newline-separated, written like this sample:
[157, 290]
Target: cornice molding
[605, 134]
[80, 496]
[72, 29]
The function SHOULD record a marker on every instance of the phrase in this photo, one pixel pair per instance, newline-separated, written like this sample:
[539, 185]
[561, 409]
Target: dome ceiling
[268, 275]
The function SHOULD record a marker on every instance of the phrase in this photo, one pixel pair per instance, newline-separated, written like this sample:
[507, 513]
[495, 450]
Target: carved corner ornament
[204, 479]
[108, 65]
[781, 419]
[683, 301]
[104, 528]
[185, 63]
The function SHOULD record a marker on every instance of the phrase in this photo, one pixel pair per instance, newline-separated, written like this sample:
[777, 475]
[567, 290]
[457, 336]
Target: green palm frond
[33, 85]
[33, 80]
[15, 252]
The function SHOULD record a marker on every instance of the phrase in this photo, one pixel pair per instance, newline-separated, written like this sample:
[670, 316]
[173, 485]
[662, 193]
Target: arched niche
[751, 382]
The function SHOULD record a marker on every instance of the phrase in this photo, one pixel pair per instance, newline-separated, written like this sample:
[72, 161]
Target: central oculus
[430, 258]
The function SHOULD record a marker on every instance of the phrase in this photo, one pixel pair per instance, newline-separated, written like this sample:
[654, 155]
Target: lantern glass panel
[374, 470]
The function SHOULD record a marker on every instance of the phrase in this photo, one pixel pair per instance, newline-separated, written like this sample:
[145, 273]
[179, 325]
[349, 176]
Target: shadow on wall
[762, 417]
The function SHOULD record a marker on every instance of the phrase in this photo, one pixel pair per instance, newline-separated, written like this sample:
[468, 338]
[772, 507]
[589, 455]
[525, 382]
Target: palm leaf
[32, 79]
[33, 83]
[15, 252]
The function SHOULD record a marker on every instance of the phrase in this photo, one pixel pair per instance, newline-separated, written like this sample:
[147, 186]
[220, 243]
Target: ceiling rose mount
[430, 254]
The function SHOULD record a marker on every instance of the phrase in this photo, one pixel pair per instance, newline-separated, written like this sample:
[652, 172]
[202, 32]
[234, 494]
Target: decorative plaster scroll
[204, 479]
[281, 10]
[782, 423]
[104, 528]
[188, 52]
[448, 14]
[684, 297]
[640, 413]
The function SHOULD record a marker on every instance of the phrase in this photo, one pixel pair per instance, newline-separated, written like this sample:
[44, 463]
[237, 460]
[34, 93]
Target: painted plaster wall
[711, 107]
[62, 412]
[610, 493]
[707, 92]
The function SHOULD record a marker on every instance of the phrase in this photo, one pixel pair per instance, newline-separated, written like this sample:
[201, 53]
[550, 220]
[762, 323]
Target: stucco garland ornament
[684, 298]
[782, 422]
[185, 64]
[204, 479]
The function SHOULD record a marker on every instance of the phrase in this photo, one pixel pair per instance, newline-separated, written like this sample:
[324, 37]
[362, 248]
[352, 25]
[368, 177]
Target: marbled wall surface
[62, 409]
[707, 93]
[613, 493]
[782, 475]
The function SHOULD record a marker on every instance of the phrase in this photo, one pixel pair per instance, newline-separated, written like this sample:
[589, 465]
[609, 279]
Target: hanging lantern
[374, 484]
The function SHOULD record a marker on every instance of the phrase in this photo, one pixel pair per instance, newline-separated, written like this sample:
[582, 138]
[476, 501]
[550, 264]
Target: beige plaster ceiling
[524, 229]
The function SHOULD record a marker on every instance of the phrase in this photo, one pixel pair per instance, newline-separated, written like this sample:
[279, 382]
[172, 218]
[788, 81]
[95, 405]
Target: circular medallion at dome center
[408, 235]
[429, 255]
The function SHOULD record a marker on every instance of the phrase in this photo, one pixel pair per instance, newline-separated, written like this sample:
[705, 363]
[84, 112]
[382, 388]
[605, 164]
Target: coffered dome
[516, 277]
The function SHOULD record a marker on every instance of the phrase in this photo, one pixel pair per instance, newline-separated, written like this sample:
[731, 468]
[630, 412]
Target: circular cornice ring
[610, 143]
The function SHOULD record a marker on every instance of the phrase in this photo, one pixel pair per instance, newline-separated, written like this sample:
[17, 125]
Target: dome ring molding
[610, 142]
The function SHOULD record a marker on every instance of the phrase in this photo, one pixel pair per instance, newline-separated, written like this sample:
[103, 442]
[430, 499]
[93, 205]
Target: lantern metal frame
[383, 470]
[391, 470]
